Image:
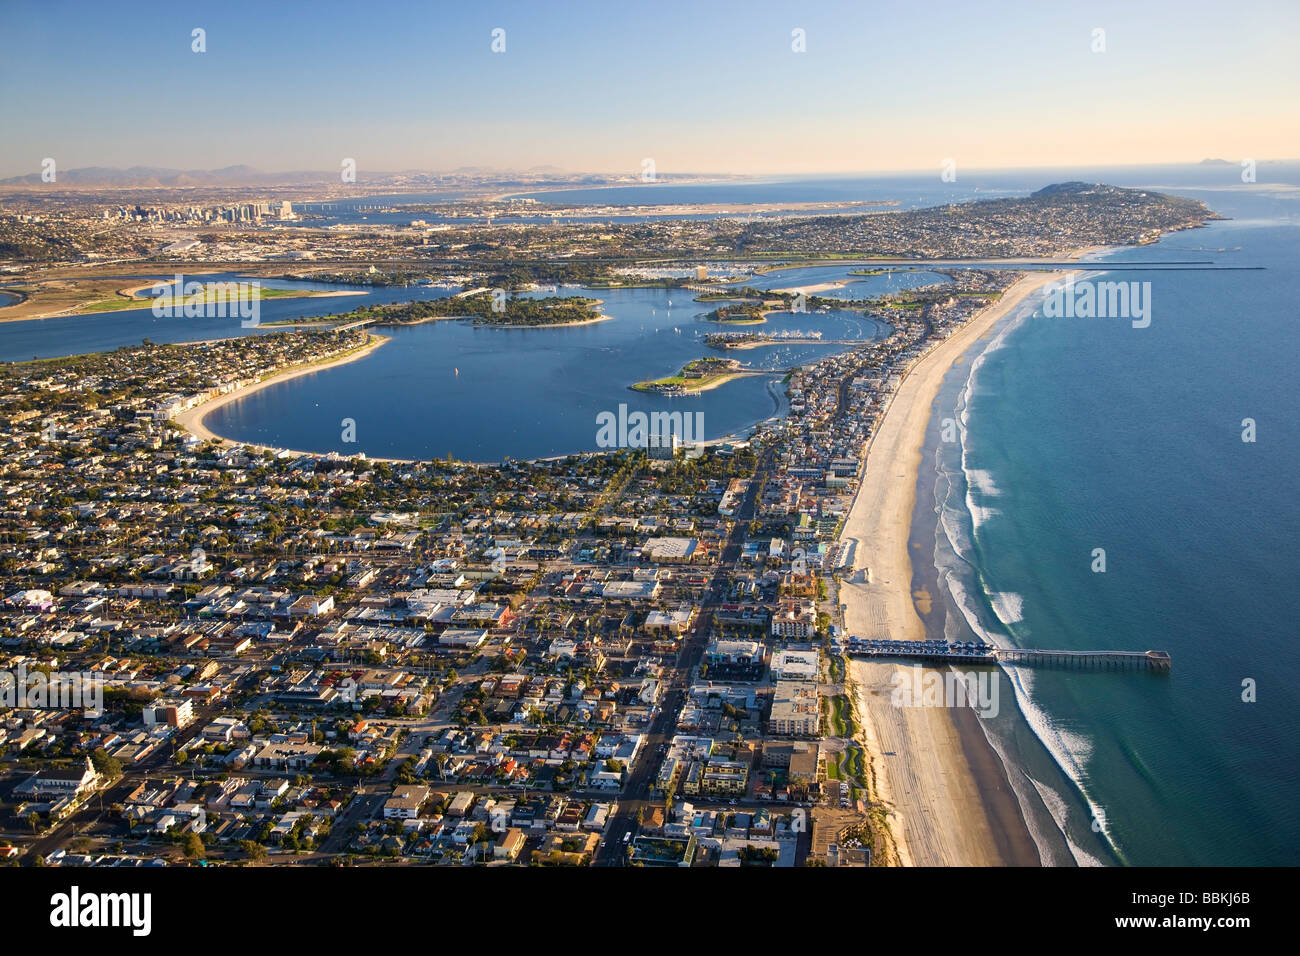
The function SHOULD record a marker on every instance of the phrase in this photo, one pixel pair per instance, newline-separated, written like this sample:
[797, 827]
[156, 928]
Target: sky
[697, 87]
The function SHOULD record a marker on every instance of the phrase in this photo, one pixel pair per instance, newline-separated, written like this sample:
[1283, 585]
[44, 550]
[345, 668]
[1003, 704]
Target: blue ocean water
[906, 190]
[1082, 434]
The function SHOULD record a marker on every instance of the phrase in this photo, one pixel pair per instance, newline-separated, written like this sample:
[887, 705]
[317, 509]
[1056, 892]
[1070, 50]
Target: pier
[1090, 660]
[971, 652]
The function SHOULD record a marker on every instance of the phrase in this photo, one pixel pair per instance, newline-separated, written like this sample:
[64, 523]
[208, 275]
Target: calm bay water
[76, 334]
[484, 394]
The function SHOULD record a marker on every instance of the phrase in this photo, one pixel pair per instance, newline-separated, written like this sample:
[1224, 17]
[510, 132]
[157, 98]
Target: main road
[636, 791]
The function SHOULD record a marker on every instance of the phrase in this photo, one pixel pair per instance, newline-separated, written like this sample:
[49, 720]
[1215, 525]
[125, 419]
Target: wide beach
[949, 799]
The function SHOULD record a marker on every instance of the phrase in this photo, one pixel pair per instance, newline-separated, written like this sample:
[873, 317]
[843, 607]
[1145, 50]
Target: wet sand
[950, 800]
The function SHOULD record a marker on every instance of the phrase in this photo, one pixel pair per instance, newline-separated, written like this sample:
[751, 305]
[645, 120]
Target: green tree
[105, 764]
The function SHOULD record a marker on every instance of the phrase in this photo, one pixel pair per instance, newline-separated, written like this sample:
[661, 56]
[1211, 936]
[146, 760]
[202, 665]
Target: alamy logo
[76, 909]
[209, 300]
[916, 688]
[1100, 300]
[347, 689]
[651, 430]
[56, 690]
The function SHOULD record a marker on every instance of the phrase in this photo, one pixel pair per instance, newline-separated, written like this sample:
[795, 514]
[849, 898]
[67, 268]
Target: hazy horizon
[555, 169]
[768, 89]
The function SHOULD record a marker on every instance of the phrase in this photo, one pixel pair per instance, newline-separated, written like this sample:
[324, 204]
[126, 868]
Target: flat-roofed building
[795, 665]
[671, 550]
[795, 620]
[796, 710]
[724, 776]
[630, 590]
[735, 652]
[671, 622]
[287, 756]
[460, 804]
[462, 637]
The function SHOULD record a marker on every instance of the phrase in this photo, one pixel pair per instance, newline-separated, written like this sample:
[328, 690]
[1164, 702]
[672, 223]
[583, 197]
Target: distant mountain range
[154, 177]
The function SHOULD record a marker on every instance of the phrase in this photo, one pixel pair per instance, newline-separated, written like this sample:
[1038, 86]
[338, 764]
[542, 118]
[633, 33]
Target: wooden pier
[976, 653]
[1087, 660]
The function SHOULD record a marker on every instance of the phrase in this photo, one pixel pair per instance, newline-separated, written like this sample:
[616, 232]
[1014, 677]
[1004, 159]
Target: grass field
[93, 296]
[210, 295]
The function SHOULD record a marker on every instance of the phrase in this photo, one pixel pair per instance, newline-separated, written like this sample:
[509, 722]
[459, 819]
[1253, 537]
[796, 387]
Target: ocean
[1078, 434]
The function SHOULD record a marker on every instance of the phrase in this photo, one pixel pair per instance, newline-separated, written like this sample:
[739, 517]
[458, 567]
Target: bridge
[359, 324]
[971, 652]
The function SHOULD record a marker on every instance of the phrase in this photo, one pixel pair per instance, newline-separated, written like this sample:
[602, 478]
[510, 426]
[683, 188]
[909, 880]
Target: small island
[479, 305]
[531, 313]
[696, 376]
[741, 313]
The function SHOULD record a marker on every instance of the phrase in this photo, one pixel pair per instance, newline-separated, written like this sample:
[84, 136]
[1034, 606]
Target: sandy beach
[192, 418]
[948, 806]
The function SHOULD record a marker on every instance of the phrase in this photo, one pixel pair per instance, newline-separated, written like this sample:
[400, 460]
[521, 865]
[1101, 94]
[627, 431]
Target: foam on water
[1008, 606]
[970, 594]
[982, 481]
[979, 514]
[1056, 806]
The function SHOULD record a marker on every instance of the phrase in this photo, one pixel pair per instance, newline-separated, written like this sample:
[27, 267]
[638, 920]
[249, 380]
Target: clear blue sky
[698, 87]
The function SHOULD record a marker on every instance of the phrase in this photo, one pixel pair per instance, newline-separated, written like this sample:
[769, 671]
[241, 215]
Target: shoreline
[716, 382]
[132, 303]
[550, 325]
[191, 419]
[948, 797]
